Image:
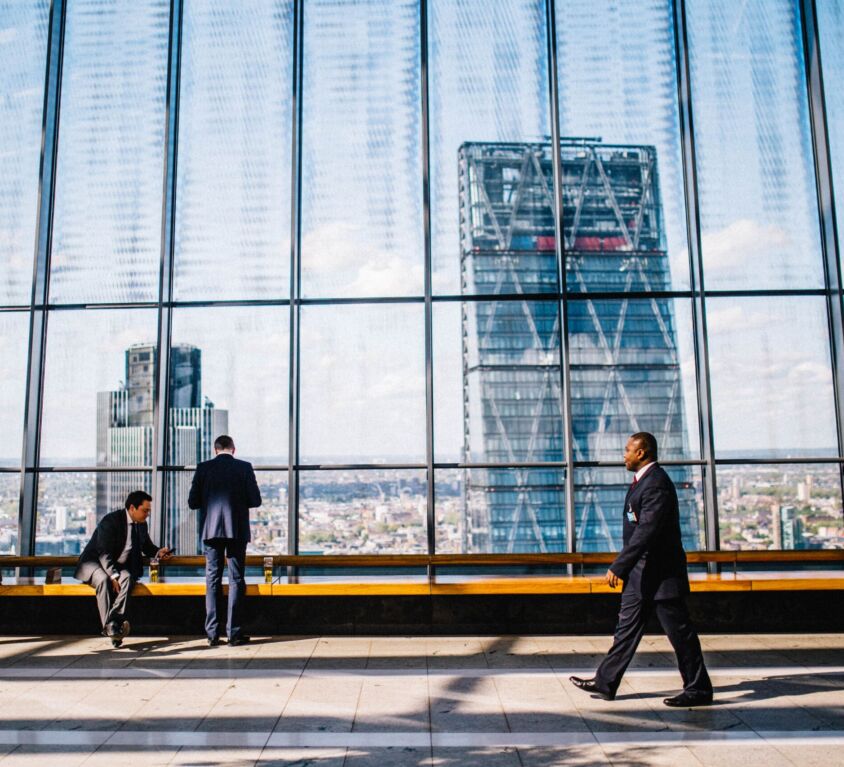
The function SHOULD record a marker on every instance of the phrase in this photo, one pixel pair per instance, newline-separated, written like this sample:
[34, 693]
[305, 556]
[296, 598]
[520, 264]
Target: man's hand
[164, 553]
[612, 579]
[115, 584]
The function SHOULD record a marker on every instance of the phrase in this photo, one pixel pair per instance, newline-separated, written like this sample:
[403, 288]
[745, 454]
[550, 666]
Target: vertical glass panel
[488, 82]
[501, 511]
[107, 220]
[632, 369]
[98, 407]
[10, 486]
[233, 195]
[23, 61]
[771, 376]
[363, 384]
[497, 382]
[624, 215]
[599, 506]
[68, 510]
[831, 31]
[229, 375]
[14, 337]
[758, 207]
[362, 185]
[268, 523]
[362, 512]
[790, 506]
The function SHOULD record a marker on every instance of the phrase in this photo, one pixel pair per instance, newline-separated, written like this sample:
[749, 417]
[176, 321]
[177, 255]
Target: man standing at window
[111, 562]
[224, 489]
[652, 568]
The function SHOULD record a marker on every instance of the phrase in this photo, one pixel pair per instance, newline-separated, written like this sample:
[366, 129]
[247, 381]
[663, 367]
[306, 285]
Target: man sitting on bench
[111, 562]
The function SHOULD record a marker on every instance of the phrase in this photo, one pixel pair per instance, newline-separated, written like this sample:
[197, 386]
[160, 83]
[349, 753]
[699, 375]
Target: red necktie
[635, 480]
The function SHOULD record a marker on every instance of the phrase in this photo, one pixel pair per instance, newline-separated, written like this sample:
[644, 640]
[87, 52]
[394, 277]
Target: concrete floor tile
[465, 705]
[217, 757]
[393, 705]
[397, 652]
[302, 757]
[252, 705]
[46, 756]
[181, 704]
[388, 757]
[746, 755]
[540, 704]
[475, 757]
[631, 755]
[571, 756]
[450, 652]
[340, 653]
[321, 704]
[109, 756]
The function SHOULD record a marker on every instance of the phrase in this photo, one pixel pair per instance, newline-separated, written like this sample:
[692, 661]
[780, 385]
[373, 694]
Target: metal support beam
[704, 395]
[161, 394]
[41, 281]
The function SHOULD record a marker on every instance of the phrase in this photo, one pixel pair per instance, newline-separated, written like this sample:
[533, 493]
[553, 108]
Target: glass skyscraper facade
[428, 263]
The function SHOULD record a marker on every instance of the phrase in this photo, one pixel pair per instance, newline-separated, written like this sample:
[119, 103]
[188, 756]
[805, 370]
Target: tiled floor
[462, 701]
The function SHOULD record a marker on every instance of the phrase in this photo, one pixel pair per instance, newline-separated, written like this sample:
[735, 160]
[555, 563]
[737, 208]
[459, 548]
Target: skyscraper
[624, 362]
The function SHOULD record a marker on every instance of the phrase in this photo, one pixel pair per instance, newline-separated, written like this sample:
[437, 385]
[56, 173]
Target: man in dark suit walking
[224, 489]
[652, 568]
[112, 561]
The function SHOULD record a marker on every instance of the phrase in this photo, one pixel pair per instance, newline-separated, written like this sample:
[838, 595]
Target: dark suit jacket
[224, 489]
[107, 542]
[652, 561]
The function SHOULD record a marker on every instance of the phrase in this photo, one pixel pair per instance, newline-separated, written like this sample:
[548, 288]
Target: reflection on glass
[362, 512]
[758, 207]
[616, 65]
[363, 384]
[497, 381]
[831, 29]
[10, 485]
[107, 220]
[14, 335]
[632, 369]
[488, 82]
[771, 376]
[794, 506]
[23, 56]
[233, 195]
[500, 511]
[91, 386]
[599, 506]
[67, 514]
[362, 181]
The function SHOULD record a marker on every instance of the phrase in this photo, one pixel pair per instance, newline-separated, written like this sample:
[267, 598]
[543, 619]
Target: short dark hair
[647, 442]
[224, 442]
[136, 498]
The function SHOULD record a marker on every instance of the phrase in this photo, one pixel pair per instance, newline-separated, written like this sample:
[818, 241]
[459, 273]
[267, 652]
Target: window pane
[363, 384]
[23, 60]
[10, 487]
[107, 220]
[831, 30]
[233, 195]
[362, 184]
[599, 506]
[68, 507]
[501, 511]
[794, 506]
[616, 66]
[362, 512]
[632, 369]
[497, 381]
[98, 407]
[14, 338]
[771, 377]
[229, 375]
[758, 209]
[268, 523]
[488, 83]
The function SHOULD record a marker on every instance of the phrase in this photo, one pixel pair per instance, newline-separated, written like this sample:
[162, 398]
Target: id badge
[631, 515]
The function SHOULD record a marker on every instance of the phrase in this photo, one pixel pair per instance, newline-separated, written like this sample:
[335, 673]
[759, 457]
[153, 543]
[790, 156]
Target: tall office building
[125, 431]
[625, 369]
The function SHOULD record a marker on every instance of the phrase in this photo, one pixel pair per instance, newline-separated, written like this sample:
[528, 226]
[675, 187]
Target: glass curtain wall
[366, 194]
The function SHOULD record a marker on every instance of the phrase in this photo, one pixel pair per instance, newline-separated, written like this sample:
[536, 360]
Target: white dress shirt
[641, 473]
[127, 547]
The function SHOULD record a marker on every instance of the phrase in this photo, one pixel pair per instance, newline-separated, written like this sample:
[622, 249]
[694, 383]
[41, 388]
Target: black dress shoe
[590, 685]
[238, 640]
[689, 700]
[213, 641]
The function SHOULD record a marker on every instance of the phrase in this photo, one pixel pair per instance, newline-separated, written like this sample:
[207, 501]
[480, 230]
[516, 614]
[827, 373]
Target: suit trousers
[673, 615]
[112, 607]
[235, 551]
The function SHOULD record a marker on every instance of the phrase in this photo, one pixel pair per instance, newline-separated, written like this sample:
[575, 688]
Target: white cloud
[742, 242]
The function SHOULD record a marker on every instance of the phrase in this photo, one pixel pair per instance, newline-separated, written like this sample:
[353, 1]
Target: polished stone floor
[462, 701]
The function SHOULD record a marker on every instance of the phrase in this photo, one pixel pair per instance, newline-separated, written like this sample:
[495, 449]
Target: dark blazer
[652, 561]
[107, 542]
[224, 489]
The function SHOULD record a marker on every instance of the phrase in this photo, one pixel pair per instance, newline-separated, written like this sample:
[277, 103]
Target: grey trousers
[112, 606]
